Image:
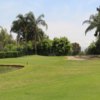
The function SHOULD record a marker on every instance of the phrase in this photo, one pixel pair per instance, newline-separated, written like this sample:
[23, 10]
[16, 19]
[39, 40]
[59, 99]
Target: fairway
[50, 78]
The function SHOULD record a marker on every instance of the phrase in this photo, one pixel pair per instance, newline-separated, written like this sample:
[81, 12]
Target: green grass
[51, 78]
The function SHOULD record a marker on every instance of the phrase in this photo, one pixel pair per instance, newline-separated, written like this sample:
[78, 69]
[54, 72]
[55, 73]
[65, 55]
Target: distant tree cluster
[27, 28]
[31, 39]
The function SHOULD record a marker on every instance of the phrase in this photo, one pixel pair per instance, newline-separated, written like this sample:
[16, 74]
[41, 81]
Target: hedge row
[10, 54]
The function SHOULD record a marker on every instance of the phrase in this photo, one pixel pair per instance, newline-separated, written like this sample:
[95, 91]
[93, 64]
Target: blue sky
[64, 17]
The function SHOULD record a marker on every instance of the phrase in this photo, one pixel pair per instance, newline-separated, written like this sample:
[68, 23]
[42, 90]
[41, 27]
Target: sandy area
[83, 57]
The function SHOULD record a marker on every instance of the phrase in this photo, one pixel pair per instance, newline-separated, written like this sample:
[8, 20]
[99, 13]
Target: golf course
[50, 50]
[50, 78]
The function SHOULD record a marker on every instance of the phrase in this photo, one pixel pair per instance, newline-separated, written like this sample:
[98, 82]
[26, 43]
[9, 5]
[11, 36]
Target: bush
[10, 54]
[44, 47]
[61, 46]
[76, 48]
[94, 48]
[10, 47]
[2, 54]
[25, 48]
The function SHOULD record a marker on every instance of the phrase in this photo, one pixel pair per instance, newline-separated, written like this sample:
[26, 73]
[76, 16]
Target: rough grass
[51, 78]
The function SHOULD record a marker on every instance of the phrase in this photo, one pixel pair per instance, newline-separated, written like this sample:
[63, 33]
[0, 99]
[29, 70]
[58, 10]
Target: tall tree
[5, 38]
[20, 26]
[27, 28]
[94, 23]
[36, 32]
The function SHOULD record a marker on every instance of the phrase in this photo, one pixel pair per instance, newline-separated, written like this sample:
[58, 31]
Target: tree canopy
[27, 27]
[94, 23]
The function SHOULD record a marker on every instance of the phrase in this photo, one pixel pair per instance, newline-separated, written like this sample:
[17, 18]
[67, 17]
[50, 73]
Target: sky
[64, 17]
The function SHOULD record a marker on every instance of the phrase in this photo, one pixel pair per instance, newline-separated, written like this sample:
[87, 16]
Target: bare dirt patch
[89, 57]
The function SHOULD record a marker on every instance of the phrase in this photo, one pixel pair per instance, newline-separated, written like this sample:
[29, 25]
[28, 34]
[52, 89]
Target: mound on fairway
[51, 78]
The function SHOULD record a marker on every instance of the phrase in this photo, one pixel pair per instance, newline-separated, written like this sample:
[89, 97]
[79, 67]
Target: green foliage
[91, 49]
[25, 47]
[76, 49]
[10, 47]
[94, 48]
[26, 27]
[94, 23]
[98, 46]
[44, 47]
[6, 40]
[61, 46]
[28, 48]
[10, 54]
[2, 54]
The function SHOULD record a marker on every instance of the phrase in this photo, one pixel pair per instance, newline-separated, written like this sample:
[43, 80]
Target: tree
[44, 47]
[94, 23]
[91, 49]
[61, 46]
[5, 38]
[20, 26]
[34, 28]
[27, 28]
[76, 49]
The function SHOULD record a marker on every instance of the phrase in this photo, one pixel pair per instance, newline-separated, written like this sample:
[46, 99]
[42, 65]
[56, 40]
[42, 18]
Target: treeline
[31, 39]
[56, 47]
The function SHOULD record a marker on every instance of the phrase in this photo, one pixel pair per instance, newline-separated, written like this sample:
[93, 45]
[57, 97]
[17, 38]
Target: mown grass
[51, 78]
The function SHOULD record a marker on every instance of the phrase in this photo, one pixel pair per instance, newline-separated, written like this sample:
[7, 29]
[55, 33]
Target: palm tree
[19, 26]
[94, 23]
[27, 28]
[34, 28]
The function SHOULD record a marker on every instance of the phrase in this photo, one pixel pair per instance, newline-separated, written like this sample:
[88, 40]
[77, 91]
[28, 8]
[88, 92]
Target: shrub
[61, 46]
[76, 48]
[44, 47]
[10, 54]
[2, 54]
